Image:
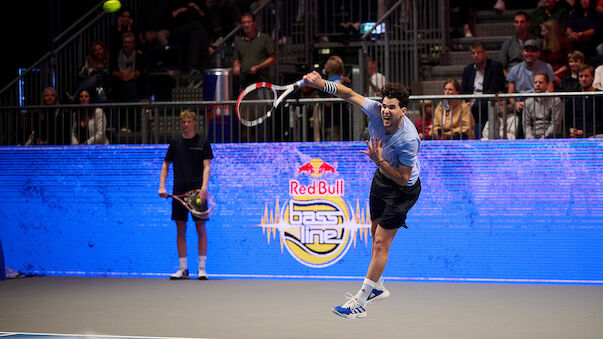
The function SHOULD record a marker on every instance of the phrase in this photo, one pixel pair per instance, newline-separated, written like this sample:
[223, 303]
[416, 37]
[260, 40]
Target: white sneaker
[202, 275]
[351, 309]
[378, 293]
[182, 273]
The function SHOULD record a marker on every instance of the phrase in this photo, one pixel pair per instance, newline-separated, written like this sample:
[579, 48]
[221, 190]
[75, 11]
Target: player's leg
[355, 305]
[202, 245]
[180, 217]
[379, 292]
[182, 272]
[381, 243]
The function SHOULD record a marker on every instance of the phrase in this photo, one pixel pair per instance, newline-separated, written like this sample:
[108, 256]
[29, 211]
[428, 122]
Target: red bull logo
[316, 226]
[317, 167]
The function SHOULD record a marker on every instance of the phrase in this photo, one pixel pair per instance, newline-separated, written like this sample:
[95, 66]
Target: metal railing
[303, 119]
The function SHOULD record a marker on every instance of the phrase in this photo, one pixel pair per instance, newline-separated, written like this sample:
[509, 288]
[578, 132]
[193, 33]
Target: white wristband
[330, 87]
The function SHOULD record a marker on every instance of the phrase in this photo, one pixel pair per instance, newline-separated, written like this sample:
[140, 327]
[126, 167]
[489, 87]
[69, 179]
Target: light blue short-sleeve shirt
[402, 147]
[523, 77]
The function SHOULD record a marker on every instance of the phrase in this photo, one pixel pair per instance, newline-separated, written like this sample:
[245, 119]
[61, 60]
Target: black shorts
[179, 212]
[390, 202]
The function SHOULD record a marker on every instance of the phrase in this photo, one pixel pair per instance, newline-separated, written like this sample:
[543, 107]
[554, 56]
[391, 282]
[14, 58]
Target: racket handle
[301, 83]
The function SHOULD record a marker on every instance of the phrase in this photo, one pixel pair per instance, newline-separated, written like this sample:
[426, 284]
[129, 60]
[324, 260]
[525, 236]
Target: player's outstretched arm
[315, 80]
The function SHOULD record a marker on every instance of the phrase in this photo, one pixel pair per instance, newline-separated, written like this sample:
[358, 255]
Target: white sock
[202, 259]
[365, 291]
[183, 264]
[379, 283]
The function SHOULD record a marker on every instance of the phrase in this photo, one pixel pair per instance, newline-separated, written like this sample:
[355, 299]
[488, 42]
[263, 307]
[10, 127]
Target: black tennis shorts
[390, 201]
[180, 212]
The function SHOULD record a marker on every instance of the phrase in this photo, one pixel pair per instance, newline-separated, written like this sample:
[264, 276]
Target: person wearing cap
[510, 52]
[521, 76]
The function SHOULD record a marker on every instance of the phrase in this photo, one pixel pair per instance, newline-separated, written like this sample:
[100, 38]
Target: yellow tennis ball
[198, 201]
[111, 6]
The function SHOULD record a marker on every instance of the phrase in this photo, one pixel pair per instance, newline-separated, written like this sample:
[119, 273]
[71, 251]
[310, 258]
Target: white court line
[93, 335]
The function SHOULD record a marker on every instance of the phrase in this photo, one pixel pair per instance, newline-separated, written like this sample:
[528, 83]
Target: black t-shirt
[187, 155]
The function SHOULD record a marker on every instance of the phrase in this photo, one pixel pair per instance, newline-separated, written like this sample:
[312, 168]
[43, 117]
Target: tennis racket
[257, 102]
[189, 200]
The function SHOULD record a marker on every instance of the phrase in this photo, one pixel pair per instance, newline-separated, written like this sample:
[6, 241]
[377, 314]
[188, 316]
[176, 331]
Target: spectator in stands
[376, 79]
[95, 72]
[542, 116]
[452, 119]
[128, 70]
[571, 83]
[89, 124]
[598, 82]
[483, 76]
[155, 23]
[424, 122]
[333, 70]
[583, 27]
[465, 9]
[187, 30]
[124, 24]
[521, 76]
[549, 10]
[510, 124]
[128, 78]
[511, 50]
[555, 48]
[582, 112]
[600, 6]
[223, 15]
[253, 53]
[49, 126]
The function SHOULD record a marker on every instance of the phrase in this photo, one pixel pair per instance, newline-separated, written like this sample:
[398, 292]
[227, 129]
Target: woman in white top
[89, 125]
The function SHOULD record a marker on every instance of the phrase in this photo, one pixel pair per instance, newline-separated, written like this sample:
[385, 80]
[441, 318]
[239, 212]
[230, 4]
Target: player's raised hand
[375, 149]
[314, 80]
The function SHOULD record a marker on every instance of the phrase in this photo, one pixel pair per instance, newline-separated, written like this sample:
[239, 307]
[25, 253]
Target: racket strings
[256, 104]
[204, 208]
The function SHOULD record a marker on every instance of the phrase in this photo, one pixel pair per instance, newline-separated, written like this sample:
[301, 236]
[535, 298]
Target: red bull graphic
[316, 225]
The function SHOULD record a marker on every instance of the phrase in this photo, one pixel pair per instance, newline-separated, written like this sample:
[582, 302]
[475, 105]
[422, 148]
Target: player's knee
[380, 247]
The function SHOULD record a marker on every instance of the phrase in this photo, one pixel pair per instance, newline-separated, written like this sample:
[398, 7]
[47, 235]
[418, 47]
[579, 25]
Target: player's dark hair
[396, 91]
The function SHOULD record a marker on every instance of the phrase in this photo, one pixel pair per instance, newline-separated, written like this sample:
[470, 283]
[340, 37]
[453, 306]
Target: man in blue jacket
[483, 76]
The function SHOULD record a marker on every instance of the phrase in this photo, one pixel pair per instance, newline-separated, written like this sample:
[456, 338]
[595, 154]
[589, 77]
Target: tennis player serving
[393, 147]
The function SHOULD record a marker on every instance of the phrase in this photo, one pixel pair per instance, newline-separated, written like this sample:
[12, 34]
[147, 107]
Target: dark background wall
[29, 26]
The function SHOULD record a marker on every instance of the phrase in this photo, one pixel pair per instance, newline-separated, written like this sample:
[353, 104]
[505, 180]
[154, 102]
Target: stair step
[433, 87]
[490, 42]
[495, 16]
[442, 72]
[494, 29]
[464, 58]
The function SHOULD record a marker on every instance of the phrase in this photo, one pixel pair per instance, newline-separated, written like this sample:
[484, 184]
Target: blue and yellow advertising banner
[497, 211]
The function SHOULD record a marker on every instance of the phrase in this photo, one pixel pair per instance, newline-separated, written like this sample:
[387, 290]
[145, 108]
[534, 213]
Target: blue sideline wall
[497, 211]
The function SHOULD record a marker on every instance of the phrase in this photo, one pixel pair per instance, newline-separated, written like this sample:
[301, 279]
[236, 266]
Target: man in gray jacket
[542, 116]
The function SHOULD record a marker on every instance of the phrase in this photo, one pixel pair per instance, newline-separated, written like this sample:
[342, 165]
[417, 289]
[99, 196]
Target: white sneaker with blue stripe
[351, 309]
[378, 293]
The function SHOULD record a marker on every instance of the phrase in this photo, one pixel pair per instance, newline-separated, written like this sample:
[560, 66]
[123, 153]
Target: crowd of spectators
[552, 49]
[555, 47]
